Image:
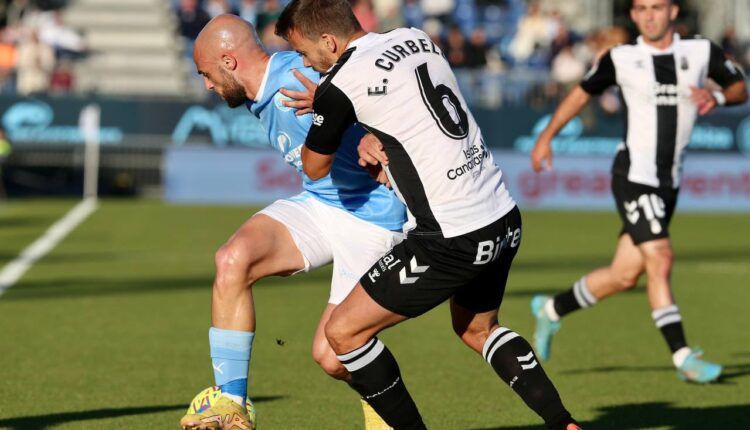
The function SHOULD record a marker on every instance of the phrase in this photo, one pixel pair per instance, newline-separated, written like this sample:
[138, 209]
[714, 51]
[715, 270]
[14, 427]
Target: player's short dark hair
[311, 18]
[673, 2]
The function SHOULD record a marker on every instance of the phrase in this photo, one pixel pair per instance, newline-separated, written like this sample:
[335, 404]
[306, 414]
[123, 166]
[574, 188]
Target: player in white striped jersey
[661, 79]
[465, 230]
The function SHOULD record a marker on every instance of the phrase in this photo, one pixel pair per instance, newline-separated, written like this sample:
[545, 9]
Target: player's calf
[377, 378]
[514, 361]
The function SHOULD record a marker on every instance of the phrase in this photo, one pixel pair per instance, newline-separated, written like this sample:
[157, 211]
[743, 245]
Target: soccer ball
[208, 397]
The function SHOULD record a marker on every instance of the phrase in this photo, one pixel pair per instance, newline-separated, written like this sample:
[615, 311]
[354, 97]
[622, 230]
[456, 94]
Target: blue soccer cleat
[695, 369]
[545, 327]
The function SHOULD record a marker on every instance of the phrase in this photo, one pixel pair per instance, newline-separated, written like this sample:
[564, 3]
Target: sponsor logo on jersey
[388, 58]
[666, 94]
[474, 157]
[318, 119]
[278, 100]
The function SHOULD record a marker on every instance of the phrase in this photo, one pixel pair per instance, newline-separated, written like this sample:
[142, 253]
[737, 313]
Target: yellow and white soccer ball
[208, 397]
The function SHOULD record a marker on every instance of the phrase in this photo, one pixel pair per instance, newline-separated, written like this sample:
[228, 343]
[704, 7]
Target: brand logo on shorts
[489, 251]
[403, 275]
[385, 264]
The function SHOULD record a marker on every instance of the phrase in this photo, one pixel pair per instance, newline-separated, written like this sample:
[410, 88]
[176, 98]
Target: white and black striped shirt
[659, 114]
[399, 87]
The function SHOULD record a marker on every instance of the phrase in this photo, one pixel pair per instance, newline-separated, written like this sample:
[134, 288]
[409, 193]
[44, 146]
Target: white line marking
[14, 270]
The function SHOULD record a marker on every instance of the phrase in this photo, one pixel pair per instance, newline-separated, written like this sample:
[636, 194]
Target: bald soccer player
[348, 221]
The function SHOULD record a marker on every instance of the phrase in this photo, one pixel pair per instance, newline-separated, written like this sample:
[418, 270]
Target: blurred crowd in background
[37, 49]
[503, 51]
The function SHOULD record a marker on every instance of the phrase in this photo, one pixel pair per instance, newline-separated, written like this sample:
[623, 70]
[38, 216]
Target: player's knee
[626, 280]
[233, 264]
[659, 262]
[327, 361]
[471, 335]
[336, 333]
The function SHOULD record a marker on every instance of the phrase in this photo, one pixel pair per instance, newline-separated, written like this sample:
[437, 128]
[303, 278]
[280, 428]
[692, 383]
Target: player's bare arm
[707, 100]
[541, 155]
[316, 165]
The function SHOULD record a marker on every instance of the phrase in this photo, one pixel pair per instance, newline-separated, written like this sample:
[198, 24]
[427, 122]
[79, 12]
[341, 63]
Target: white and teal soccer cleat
[695, 369]
[545, 327]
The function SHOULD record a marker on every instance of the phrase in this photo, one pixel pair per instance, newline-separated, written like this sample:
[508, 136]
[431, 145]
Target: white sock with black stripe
[377, 378]
[669, 321]
[513, 359]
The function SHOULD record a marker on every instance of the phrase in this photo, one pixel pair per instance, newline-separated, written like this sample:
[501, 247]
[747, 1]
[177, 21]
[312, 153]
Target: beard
[233, 92]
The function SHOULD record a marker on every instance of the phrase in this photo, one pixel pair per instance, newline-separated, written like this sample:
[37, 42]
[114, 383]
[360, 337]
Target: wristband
[720, 98]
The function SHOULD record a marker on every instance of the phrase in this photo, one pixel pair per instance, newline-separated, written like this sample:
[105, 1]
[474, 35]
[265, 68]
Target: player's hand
[703, 99]
[378, 173]
[301, 100]
[371, 152]
[541, 155]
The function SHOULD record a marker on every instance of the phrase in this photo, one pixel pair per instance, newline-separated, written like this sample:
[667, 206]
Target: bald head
[231, 59]
[227, 34]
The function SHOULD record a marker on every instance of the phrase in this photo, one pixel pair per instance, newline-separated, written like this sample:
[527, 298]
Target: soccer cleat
[695, 369]
[545, 327]
[372, 419]
[225, 414]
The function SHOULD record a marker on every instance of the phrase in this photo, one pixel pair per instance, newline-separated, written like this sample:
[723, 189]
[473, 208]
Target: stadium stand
[134, 48]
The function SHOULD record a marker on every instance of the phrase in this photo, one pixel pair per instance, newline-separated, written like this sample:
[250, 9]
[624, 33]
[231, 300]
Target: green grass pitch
[109, 331]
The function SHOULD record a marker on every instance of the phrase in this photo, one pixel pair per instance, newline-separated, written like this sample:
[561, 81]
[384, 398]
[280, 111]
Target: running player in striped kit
[661, 80]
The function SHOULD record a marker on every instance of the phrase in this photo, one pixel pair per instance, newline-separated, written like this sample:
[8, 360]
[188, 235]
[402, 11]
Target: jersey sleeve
[333, 113]
[721, 69]
[601, 76]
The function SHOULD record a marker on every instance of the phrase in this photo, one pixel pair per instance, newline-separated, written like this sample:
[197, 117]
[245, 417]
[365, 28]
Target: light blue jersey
[348, 186]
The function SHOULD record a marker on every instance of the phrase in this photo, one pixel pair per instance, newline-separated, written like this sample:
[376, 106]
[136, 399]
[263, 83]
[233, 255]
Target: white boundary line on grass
[14, 270]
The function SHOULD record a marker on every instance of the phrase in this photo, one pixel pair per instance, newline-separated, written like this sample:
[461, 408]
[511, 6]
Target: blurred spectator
[53, 32]
[36, 61]
[389, 14]
[534, 30]
[248, 11]
[478, 49]
[192, 19]
[455, 48]
[433, 28]
[413, 16]
[8, 59]
[567, 69]
[438, 9]
[62, 77]
[269, 14]
[365, 13]
[730, 44]
[16, 11]
[271, 41]
[217, 7]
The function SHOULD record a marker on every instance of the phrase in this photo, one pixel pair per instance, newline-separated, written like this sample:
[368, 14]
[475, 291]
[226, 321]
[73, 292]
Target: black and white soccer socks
[515, 362]
[669, 321]
[576, 298]
[377, 378]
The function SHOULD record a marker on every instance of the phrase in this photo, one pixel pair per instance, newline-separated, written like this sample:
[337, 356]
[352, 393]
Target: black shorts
[645, 211]
[420, 273]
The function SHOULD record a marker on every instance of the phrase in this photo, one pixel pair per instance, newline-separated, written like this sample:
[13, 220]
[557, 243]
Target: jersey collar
[356, 42]
[262, 87]
[654, 51]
